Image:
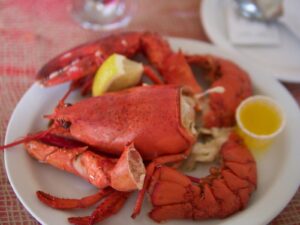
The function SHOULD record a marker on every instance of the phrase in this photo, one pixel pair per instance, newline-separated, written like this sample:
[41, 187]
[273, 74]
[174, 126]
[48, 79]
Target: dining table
[34, 31]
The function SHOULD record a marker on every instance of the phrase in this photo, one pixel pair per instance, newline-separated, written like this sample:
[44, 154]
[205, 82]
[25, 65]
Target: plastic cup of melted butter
[259, 120]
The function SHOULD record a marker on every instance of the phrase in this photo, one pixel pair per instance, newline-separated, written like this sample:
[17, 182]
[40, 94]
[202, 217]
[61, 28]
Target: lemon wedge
[116, 73]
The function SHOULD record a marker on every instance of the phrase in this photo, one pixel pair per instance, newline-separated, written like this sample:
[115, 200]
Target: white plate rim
[286, 173]
[213, 34]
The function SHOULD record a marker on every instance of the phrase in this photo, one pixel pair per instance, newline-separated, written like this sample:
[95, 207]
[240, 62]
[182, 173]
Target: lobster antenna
[218, 89]
[35, 136]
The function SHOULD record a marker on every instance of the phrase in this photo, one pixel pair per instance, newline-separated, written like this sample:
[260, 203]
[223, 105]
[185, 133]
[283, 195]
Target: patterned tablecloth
[33, 31]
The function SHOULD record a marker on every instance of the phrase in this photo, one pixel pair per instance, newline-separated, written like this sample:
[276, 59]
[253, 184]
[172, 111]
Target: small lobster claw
[72, 65]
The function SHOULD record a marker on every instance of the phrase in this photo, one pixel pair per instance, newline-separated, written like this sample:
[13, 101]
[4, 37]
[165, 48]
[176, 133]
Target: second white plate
[280, 61]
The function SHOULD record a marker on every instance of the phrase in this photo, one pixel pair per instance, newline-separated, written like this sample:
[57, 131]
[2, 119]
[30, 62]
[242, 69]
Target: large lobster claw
[125, 174]
[71, 65]
[85, 59]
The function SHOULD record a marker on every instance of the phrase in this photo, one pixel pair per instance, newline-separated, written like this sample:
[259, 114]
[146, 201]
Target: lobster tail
[220, 194]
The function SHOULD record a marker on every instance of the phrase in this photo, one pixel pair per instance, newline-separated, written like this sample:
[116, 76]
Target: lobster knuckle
[129, 172]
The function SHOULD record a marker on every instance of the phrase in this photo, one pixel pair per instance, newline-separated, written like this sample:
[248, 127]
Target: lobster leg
[62, 203]
[111, 205]
[148, 71]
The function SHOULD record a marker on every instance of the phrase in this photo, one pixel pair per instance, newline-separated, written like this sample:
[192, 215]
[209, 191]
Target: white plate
[280, 61]
[278, 169]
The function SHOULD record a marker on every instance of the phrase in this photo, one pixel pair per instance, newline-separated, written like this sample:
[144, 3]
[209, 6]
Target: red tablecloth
[33, 31]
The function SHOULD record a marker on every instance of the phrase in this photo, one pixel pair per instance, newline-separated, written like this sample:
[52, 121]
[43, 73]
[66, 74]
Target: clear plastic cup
[259, 121]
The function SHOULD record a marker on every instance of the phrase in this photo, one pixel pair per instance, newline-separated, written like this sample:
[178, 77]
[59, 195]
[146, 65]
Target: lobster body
[149, 117]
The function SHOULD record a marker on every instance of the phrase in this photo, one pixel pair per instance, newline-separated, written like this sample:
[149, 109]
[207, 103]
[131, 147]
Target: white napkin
[242, 31]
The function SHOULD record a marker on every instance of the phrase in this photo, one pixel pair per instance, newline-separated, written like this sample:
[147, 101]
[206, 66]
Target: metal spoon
[267, 10]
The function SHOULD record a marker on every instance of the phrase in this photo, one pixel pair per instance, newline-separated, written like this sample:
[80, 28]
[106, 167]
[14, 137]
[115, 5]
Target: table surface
[33, 31]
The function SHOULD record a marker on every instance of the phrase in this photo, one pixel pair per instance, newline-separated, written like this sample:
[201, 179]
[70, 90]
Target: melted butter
[260, 118]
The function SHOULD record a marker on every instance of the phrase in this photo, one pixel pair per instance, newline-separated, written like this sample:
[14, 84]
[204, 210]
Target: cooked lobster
[160, 123]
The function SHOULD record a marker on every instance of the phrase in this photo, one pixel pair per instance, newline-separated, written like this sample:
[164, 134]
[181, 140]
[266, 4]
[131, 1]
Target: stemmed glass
[103, 14]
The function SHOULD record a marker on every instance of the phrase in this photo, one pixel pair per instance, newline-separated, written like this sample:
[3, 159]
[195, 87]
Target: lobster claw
[72, 65]
[85, 59]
